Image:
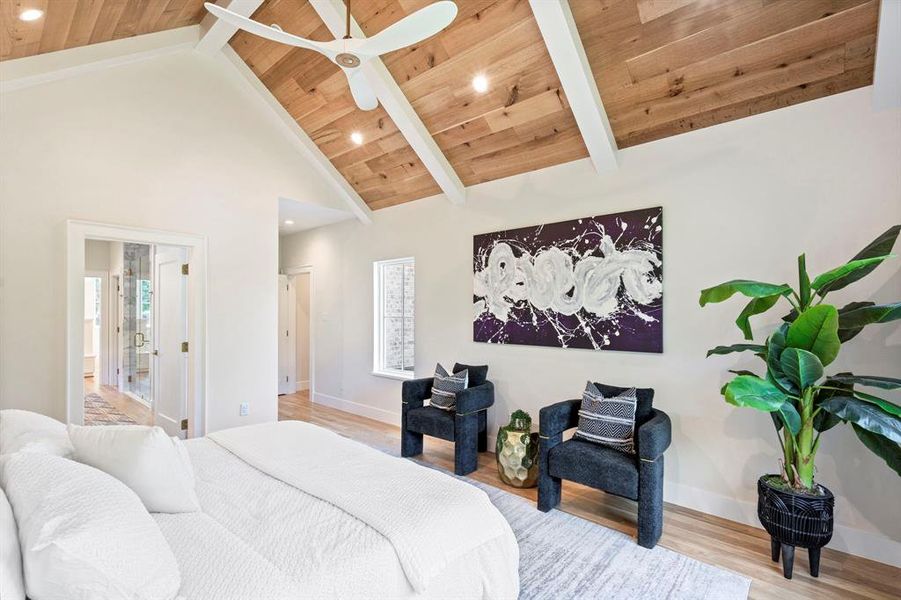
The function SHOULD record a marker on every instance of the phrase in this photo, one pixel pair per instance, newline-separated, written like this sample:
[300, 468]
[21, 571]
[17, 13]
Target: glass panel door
[137, 321]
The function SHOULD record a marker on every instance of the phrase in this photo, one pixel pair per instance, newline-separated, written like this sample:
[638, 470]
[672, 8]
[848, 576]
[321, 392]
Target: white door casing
[170, 369]
[287, 361]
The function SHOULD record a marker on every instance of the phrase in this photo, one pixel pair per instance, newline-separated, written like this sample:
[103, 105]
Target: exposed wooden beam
[302, 141]
[332, 13]
[887, 74]
[215, 34]
[558, 28]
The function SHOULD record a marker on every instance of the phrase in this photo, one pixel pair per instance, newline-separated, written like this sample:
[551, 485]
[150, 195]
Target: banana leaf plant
[803, 401]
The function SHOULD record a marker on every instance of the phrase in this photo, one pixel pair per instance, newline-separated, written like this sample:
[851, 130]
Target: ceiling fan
[351, 53]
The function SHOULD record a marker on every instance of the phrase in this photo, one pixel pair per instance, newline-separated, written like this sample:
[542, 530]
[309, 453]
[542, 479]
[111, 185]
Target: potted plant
[802, 400]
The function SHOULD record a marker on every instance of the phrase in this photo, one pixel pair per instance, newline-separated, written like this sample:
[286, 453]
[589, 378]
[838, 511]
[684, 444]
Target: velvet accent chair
[467, 426]
[637, 477]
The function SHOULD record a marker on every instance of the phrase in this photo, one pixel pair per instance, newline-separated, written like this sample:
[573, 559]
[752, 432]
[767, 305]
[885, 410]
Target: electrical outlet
[245, 408]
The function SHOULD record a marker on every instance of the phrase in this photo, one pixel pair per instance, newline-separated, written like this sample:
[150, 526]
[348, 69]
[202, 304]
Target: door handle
[139, 340]
[156, 352]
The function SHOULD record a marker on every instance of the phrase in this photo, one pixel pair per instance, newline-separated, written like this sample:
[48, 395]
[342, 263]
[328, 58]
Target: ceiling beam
[302, 141]
[392, 99]
[887, 73]
[214, 33]
[558, 28]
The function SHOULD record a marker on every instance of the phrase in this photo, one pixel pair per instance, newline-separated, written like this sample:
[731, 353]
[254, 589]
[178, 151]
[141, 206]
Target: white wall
[741, 199]
[174, 143]
[97, 255]
[302, 329]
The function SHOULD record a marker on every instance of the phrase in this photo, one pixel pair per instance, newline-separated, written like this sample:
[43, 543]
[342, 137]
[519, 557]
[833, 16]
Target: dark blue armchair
[467, 426]
[637, 477]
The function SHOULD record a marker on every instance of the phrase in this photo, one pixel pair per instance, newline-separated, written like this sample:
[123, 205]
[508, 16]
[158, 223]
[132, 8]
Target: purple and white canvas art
[593, 283]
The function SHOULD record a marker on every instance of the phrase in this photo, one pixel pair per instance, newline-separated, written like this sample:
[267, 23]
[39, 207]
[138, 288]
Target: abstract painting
[594, 283]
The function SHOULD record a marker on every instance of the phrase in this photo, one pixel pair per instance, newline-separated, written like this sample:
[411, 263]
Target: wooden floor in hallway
[114, 407]
[713, 540]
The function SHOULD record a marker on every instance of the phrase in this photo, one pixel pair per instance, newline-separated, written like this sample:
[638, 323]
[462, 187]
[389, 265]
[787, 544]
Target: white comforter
[335, 518]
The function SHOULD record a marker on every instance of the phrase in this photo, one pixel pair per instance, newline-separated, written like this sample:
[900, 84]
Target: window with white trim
[393, 287]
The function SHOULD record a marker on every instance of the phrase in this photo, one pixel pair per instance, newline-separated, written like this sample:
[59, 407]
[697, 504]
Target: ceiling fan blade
[412, 29]
[270, 33]
[362, 93]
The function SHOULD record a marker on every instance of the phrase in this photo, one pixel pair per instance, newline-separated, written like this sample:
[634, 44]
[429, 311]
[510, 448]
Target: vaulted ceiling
[662, 67]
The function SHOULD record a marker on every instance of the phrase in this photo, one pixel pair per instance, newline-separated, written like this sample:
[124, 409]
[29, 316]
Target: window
[394, 318]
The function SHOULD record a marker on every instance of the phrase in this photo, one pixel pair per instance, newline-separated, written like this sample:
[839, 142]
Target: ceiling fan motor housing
[347, 60]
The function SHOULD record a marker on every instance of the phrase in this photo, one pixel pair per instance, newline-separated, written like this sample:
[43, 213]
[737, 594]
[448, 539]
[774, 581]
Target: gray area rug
[564, 557]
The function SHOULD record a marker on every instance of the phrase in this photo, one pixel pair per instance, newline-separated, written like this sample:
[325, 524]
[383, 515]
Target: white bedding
[322, 550]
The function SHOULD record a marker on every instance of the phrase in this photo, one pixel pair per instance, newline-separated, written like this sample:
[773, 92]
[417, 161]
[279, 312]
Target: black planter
[795, 519]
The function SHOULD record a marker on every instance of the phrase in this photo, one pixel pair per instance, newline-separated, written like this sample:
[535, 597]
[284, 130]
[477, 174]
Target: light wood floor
[741, 548]
[120, 401]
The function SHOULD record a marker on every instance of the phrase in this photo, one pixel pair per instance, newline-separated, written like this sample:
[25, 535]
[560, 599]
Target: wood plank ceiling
[73, 23]
[662, 67]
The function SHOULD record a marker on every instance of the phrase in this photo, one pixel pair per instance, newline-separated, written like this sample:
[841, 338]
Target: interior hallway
[713, 540]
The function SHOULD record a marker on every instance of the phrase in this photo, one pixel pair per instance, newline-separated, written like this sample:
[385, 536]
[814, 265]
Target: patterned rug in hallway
[98, 411]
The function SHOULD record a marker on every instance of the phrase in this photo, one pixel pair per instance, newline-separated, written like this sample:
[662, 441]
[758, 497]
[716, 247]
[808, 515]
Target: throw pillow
[145, 459]
[446, 386]
[608, 421]
[32, 432]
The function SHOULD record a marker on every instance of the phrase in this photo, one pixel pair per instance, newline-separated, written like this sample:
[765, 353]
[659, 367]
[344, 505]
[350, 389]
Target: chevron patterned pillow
[608, 421]
[446, 386]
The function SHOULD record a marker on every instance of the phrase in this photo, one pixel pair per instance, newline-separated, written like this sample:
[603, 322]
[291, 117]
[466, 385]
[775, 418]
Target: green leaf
[754, 392]
[846, 269]
[868, 416]
[881, 246]
[775, 346]
[803, 281]
[824, 421]
[885, 449]
[743, 372]
[856, 319]
[801, 366]
[757, 348]
[892, 409]
[790, 417]
[846, 334]
[885, 383]
[754, 307]
[751, 289]
[816, 330]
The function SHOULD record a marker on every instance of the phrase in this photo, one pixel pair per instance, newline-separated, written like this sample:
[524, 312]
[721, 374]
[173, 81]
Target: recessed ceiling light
[480, 84]
[356, 137]
[32, 14]
[288, 222]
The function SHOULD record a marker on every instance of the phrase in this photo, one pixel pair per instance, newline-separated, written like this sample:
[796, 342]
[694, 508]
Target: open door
[170, 354]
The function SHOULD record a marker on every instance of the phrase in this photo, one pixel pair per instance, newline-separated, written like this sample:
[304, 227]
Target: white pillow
[143, 458]
[32, 432]
[83, 534]
[12, 587]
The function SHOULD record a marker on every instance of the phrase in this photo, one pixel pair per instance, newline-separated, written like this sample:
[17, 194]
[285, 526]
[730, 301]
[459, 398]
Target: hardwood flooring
[713, 540]
[139, 413]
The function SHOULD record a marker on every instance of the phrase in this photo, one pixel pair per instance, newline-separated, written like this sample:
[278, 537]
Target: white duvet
[321, 516]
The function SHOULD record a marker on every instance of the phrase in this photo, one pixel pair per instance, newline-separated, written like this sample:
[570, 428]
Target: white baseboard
[379, 414]
[302, 385]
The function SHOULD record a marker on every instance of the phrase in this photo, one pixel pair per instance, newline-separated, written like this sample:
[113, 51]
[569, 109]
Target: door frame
[76, 234]
[291, 272]
[104, 362]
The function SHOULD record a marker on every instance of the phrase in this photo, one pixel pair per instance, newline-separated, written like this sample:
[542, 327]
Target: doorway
[142, 321]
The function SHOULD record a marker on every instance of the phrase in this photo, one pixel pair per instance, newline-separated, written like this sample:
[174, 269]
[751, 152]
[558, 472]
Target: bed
[291, 510]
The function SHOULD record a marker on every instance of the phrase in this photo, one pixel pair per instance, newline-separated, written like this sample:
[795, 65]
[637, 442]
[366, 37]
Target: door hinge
[185, 269]
[184, 346]
[117, 371]
[117, 329]
[286, 379]
[129, 379]
[184, 424]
